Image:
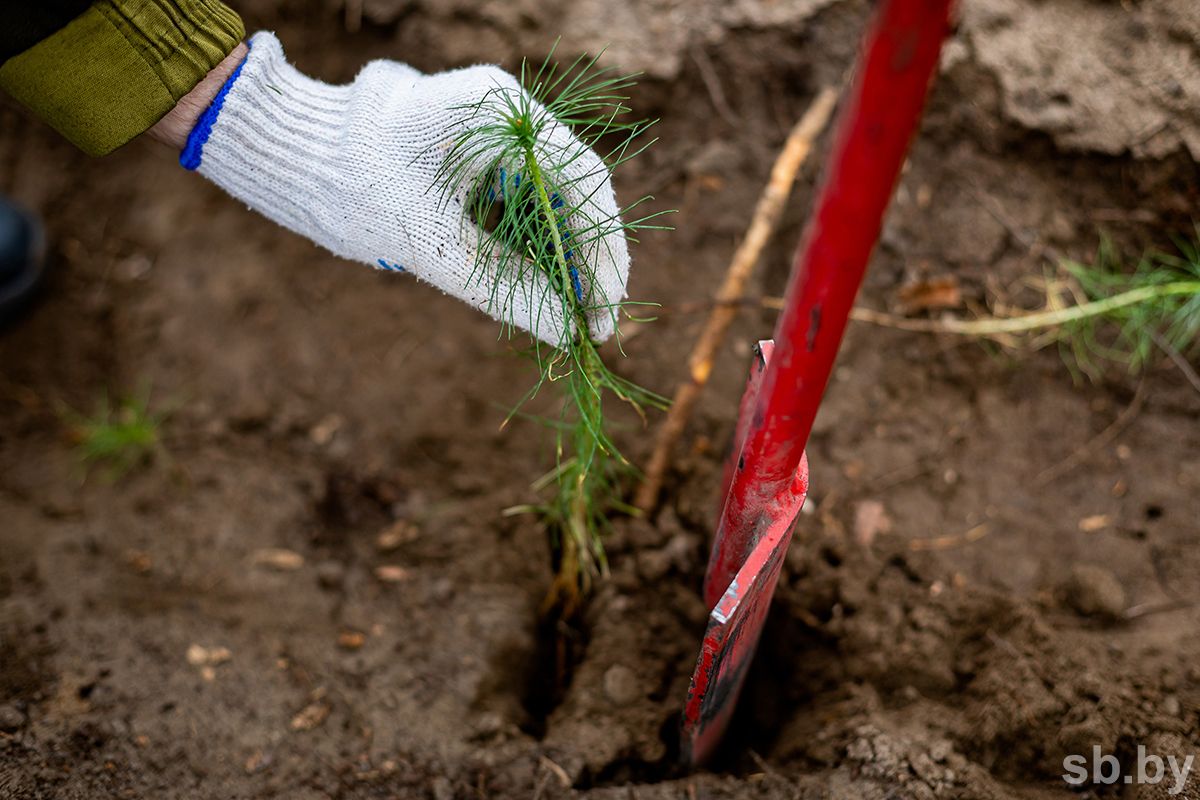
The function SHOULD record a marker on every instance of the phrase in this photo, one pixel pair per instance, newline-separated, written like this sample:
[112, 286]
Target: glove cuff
[193, 149]
[270, 138]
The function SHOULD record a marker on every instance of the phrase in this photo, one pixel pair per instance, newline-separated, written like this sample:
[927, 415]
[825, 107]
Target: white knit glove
[355, 168]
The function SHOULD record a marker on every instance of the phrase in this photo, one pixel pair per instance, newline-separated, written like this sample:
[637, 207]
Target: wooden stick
[947, 542]
[766, 216]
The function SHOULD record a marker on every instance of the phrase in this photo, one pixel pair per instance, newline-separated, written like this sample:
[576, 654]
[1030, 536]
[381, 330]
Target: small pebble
[654, 564]
[140, 561]
[330, 574]
[323, 432]
[11, 718]
[198, 655]
[311, 716]
[278, 558]
[398, 533]
[940, 750]
[1096, 522]
[1095, 592]
[442, 590]
[391, 573]
[621, 685]
[442, 788]
[488, 724]
[351, 640]
[257, 762]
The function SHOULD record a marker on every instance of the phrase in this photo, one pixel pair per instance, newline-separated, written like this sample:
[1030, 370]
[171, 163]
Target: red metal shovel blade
[736, 620]
[766, 483]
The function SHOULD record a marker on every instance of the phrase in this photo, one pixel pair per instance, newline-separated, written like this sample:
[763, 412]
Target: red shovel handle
[879, 115]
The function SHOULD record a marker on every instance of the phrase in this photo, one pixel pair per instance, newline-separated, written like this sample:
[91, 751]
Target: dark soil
[150, 648]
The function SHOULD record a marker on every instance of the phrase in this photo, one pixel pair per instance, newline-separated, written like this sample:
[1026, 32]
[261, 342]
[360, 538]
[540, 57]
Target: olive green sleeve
[117, 68]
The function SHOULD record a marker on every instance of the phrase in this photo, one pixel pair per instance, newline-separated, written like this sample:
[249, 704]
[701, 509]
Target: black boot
[22, 260]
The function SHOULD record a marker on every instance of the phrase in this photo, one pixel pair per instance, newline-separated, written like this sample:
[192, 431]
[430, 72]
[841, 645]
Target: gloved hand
[355, 168]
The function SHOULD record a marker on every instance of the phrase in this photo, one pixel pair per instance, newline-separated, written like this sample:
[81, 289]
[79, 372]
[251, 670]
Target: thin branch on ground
[712, 83]
[1146, 609]
[766, 217]
[1102, 439]
[950, 541]
[1177, 359]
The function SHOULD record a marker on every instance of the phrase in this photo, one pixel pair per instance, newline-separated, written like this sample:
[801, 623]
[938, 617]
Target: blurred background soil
[310, 592]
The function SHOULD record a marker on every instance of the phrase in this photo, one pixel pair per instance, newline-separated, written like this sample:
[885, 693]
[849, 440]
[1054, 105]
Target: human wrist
[173, 129]
[273, 138]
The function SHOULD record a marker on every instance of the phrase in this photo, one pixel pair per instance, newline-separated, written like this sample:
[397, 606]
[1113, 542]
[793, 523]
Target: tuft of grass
[117, 438]
[533, 203]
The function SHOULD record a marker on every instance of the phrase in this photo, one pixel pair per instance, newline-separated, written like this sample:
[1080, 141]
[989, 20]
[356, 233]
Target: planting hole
[561, 644]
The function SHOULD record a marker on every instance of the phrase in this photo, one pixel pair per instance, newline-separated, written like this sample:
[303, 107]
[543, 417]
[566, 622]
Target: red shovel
[766, 478]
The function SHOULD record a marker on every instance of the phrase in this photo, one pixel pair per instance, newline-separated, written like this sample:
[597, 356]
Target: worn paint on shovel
[736, 620]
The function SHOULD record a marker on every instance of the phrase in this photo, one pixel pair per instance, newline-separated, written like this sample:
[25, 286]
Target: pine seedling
[117, 438]
[1116, 316]
[1135, 314]
[540, 228]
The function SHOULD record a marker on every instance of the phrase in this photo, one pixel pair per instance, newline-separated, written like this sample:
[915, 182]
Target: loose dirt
[310, 591]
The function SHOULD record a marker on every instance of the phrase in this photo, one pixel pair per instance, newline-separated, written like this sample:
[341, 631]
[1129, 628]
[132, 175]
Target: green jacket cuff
[119, 67]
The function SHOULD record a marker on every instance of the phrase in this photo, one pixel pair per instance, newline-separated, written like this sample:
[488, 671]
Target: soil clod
[1093, 591]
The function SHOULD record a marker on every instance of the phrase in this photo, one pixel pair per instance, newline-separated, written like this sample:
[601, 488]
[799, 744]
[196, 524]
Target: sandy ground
[149, 648]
